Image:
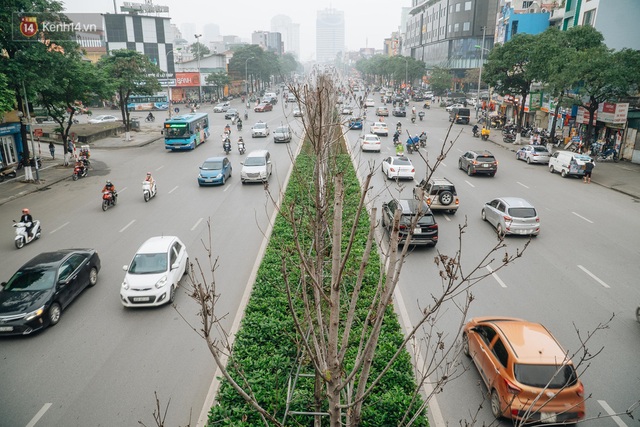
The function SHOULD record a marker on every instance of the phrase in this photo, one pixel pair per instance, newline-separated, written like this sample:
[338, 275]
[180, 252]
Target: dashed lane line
[594, 277]
[127, 226]
[173, 189]
[495, 276]
[159, 167]
[39, 415]
[196, 224]
[473, 186]
[59, 228]
[518, 182]
[580, 216]
[609, 410]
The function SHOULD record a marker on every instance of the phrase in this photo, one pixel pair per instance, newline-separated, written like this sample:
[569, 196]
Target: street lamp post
[406, 73]
[484, 29]
[246, 75]
[197, 36]
[168, 80]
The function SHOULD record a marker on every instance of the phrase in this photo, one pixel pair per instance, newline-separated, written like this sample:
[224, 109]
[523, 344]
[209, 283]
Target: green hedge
[265, 344]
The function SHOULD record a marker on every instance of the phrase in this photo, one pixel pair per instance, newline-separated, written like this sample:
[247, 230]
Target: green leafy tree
[7, 96]
[247, 59]
[219, 80]
[440, 81]
[199, 50]
[129, 72]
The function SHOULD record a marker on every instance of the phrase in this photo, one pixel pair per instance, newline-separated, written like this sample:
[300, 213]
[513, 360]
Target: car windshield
[33, 279]
[177, 132]
[212, 166]
[583, 157]
[148, 264]
[486, 159]
[545, 375]
[232, 111]
[522, 212]
[254, 161]
[424, 220]
[401, 161]
[220, 105]
[540, 150]
[259, 126]
[282, 130]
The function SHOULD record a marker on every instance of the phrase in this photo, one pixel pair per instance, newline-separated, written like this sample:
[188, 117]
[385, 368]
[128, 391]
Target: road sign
[37, 133]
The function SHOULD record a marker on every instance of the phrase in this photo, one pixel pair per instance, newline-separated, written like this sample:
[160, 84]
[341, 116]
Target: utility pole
[484, 30]
[197, 36]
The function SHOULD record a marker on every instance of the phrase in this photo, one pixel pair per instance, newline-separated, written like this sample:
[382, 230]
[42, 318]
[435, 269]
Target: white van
[256, 167]
[568, 163]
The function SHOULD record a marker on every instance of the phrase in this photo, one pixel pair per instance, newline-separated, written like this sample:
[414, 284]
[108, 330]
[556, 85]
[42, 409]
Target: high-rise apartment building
[290, 33]
[329, 35]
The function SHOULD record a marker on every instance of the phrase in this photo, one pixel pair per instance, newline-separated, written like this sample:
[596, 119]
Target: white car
[260, 129]
[370, 142]
[452, 106]
[105, 118]
[297, 112]
[347, 110]
[154, 274]
[256, 167]
[533, 154]
[221, 108]
[369, 103]
[399, 167]
[379, 128]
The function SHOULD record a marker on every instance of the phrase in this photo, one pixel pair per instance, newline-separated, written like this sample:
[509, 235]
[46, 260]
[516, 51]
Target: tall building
[268, 41]
[211, 32]
[521, 17]
[188, 31]
[290, 33]
[445, 33]
[329, 35]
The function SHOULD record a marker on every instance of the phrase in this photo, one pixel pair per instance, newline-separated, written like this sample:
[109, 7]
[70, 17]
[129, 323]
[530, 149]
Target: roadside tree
[440, 81]
[199, 50]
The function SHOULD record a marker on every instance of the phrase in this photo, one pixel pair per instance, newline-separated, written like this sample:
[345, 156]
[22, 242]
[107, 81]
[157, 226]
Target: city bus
[148, 102]
[186, 132]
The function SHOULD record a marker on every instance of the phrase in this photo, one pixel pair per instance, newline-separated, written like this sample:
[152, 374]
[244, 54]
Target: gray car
[475, 162]
[512, 215]
[282, 134]
[533, 154]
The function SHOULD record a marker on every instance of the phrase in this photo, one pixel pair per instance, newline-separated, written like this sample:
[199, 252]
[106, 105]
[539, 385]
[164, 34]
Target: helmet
[148, 173]
[109, 184]
[25, 211]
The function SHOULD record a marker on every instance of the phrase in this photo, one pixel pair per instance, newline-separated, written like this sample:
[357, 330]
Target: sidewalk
[623, 176]
[53, 171]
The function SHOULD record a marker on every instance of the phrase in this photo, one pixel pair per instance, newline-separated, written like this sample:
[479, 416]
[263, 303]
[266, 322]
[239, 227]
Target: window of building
[451, 9]
[467, 5]
[527, 4]
[457, 7]
[466, 26]
[588, 17]
[456, 27]
[449, 29]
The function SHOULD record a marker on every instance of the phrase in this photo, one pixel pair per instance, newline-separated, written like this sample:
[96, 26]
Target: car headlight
[125, 285]
[219, 176]
[160, 283]
[34, 314]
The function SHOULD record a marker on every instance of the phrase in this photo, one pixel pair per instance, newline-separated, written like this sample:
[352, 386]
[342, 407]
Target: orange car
[528, 374]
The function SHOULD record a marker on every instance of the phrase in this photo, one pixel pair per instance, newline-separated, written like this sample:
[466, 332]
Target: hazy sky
[367, 22]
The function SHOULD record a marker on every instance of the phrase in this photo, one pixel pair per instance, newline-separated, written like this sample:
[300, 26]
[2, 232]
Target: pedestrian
[52, 150]
[587, 171]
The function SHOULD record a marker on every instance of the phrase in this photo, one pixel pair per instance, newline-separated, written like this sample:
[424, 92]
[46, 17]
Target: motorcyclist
[396, 137]
[399, 127]
[150, 117]
[475, 130]
[399, 150]
[246, 114]
[27, 219]
[151, 181]
[227, 129]
[110, 188]
[240, 143]
[239, 123]
[423, 139]
[411, 144]
[421, 115]
[80, 163]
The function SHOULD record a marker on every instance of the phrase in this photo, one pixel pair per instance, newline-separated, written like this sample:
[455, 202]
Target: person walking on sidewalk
[52, 150]
[588, 168]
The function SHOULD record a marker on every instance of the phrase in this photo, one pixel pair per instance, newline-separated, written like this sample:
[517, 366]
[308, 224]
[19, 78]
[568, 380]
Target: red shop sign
[187, 79]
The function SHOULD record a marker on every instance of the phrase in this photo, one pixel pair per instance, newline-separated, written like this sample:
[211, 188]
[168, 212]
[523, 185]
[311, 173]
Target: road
[580, 270]
[102, 363]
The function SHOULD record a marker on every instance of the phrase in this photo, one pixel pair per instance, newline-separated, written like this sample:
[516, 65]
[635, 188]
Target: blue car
[355, 123]
[214, 170]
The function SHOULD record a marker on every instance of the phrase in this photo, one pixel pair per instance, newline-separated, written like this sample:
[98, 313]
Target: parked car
[512, 215]
[400, 112]
[221, 107]
[282, 134]
[153, 275]
[231, 113]
[475, 162]
[440, 194]
[260, 129]
[415, 213]
[370, 142]
[256, 167]
[533, 154]
[263, 107]
[379, 128]
[382, 111]
[103, 118]
[35, 296]
[297, 112]
[214, 170]
[528, 374]
[568, 163]
[399, 167]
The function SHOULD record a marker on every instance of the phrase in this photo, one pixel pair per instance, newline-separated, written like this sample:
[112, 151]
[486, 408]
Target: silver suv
[440, 194]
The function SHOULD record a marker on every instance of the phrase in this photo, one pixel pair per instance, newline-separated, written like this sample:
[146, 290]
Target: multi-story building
[268, 41]
[521, 17]
[451, 33]
[329, 35]
[290, 33]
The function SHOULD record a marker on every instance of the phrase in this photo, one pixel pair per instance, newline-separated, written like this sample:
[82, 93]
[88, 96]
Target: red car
[261, 108]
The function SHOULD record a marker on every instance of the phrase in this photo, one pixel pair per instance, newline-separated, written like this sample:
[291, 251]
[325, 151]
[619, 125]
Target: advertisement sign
[583, 116]
[610, 112]
[187, 79]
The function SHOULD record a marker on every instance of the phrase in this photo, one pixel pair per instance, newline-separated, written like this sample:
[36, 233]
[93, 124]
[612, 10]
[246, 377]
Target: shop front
[10, 143]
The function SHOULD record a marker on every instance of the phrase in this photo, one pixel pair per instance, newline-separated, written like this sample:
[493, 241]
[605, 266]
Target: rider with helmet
[27, 219]
[110, 188]
[151, 181]
[227, 129]
[150, 117]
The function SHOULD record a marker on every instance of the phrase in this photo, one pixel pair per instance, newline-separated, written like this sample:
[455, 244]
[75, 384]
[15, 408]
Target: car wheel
[469, 172]
[563, 173]
[54, 314]
[500, 231]
[223, 180]
[492, 174]
[496, 409]
[459, 164]
[528, 160]
[93, 276]
[551, 169]
[638, 314]
[483, 214]
[446, 198]
[465, 345]
[172, 294]
[186, 267]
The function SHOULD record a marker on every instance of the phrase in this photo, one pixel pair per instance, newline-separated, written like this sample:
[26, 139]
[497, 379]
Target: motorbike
[413, 119]
[476, 133]
[239, 126]
[426, 106]
[509, 138]
[7, 172]
[605, 156]
[79, 171]
[149, 191]
[22, 237]
[226, 145]
[396, 138]
[38, 160]
[484, 134]
[411, 147]
[109, 199]
[422, 141]
[246, 116]
[421, 115]
[241, 147]
[150, 119]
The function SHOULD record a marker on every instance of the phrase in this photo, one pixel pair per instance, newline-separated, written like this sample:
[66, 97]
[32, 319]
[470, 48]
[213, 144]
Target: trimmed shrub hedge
[265, 348]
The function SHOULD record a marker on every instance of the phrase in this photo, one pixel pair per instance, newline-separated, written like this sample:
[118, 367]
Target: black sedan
[35, 295]
[400, 112]
[231, 113]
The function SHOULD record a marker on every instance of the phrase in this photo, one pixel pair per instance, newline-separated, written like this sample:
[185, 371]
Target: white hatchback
[154, 274]
[370, 142]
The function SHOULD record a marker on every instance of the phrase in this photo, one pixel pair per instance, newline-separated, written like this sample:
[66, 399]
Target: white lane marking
[127, 226]
[495, 276]
[39, 415]
[122, 189]
[580, 216]
[173, 189]
[57, 229]
[470, 183]
[158, 168]
[226, 187]
[196, 224]
[612, 413]
[460, 151]
[518, 182]
[442, 164]
[447, 217]
[594, 277]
